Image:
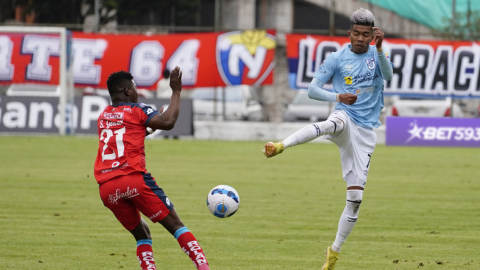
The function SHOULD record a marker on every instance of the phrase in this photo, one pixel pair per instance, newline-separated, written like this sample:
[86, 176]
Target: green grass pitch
[421, 207]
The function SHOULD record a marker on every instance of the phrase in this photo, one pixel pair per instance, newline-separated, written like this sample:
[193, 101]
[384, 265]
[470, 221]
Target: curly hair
[117, 81]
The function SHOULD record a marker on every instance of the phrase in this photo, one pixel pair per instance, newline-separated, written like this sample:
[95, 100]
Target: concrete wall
[238, 14]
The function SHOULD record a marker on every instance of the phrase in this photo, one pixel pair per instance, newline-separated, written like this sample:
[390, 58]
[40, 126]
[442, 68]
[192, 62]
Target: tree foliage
[466, 27]
[126, 12]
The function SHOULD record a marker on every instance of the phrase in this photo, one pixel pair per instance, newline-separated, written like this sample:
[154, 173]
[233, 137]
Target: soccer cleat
[331, 259]
[272, 149]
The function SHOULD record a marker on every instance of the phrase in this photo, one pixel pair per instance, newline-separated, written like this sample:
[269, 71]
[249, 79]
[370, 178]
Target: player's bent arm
[167, 120]
[315, 91]
[385, 65]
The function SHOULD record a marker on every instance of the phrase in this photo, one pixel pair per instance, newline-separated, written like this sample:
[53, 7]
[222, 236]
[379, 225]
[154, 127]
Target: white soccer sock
[313, 131]
[348, 218]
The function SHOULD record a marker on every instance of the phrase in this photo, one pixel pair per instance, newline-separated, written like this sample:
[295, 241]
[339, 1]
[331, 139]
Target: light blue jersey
[358, 74]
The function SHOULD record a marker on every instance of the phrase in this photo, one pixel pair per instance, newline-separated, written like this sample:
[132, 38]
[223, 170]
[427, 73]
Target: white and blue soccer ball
[223, 201]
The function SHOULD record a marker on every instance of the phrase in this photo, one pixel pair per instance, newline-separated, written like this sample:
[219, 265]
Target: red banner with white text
[420, 67]
[206, 59]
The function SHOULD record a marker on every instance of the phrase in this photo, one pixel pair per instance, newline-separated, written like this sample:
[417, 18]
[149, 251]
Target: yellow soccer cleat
[272, 149]
[331, 259]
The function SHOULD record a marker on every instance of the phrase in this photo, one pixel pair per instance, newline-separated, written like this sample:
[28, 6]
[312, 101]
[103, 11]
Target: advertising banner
[29, 58]
[423, 131]
[206, 59]
[420, 68]
[41, 115]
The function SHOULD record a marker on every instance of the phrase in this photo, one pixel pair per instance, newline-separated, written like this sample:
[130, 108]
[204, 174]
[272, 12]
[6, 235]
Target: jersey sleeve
[326, 69]
[385, 66]
[145, 113]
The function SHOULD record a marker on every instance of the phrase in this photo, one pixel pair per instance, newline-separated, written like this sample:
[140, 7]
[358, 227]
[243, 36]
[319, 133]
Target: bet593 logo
[245, 57]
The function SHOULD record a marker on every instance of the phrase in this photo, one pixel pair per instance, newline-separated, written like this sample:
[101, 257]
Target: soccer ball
[223, 201]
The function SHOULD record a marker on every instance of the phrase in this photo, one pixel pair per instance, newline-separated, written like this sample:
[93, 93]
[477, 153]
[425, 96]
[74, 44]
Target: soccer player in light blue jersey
[358, 73]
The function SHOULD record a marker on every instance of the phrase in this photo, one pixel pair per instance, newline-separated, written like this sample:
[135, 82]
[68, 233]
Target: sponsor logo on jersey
[370, 63]
[241, 56]
[348, 67]
[124, 165]
[112, 123]
[348, 80]
[114, 115]
[360, 91]
[364, 77]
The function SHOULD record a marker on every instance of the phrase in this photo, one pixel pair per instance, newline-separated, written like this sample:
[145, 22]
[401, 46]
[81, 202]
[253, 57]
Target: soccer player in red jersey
[126, 188]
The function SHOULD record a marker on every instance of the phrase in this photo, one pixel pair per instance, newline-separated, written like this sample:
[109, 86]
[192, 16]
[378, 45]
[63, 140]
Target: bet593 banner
[206, 59]
[423, 68]
[425, 131]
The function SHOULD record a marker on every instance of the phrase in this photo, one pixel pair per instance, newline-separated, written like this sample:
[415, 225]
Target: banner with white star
[428, 131]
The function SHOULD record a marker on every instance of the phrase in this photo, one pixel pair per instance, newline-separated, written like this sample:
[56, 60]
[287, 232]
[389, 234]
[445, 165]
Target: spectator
[163, 86]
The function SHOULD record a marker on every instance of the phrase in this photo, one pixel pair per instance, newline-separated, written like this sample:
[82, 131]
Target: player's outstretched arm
[167, 120]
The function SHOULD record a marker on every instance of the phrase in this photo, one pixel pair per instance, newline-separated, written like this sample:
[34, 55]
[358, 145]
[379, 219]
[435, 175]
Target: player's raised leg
[333, 125]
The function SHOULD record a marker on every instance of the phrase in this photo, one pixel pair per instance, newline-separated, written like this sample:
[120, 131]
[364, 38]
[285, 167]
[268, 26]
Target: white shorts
[356, 145]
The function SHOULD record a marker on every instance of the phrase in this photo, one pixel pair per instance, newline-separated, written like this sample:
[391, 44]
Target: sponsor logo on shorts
[156, 214]
[129, 193]
[197, 250]
[168, 202]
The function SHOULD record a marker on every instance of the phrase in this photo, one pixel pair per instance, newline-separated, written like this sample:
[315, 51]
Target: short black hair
[118, 81]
